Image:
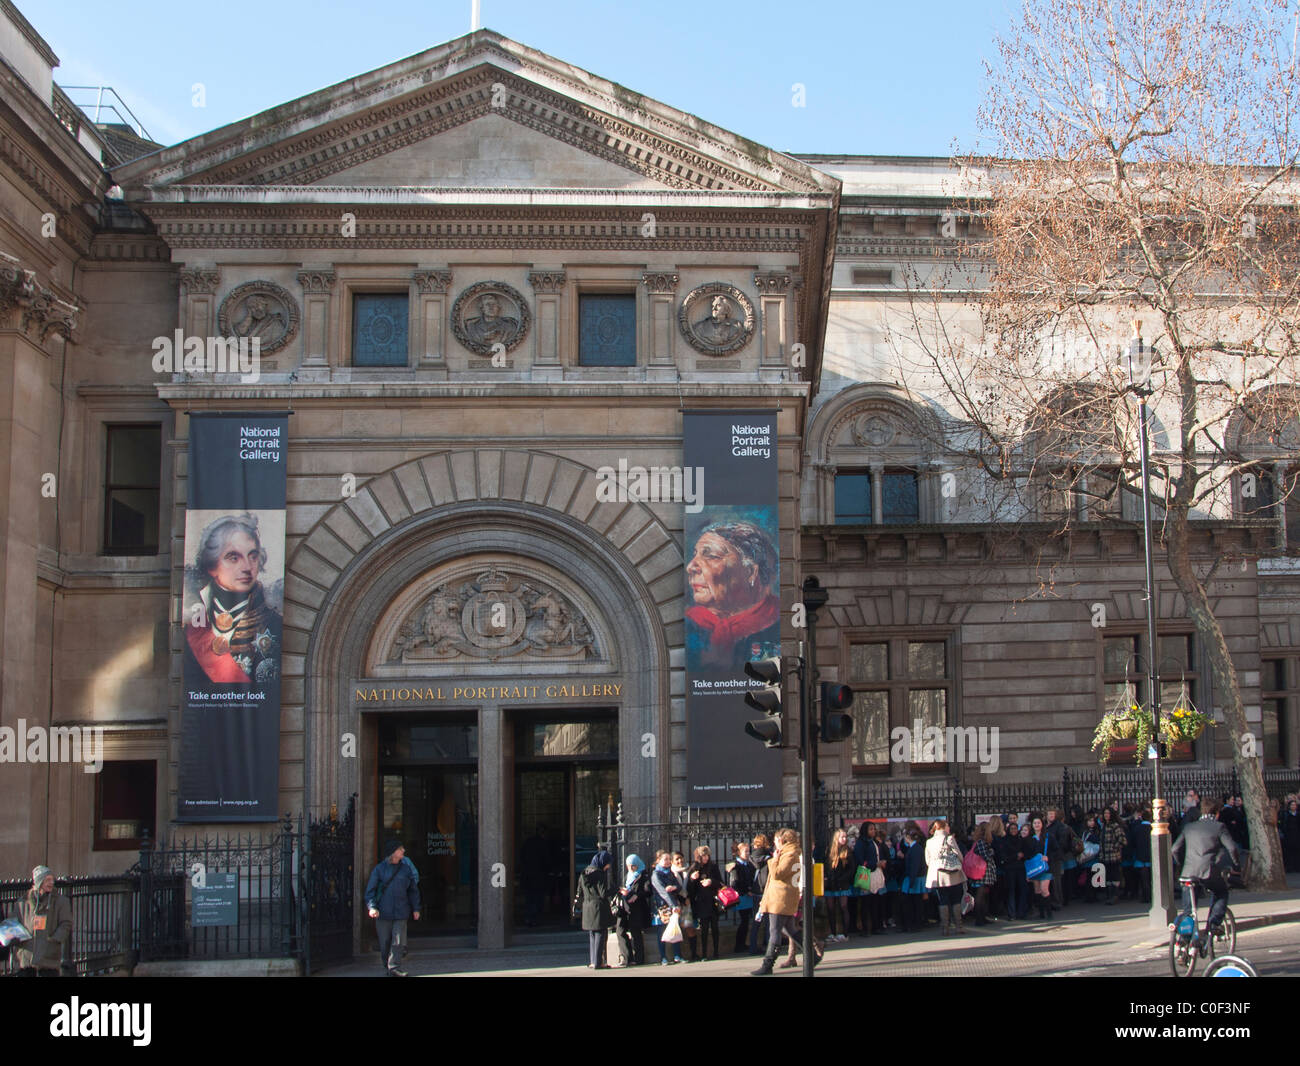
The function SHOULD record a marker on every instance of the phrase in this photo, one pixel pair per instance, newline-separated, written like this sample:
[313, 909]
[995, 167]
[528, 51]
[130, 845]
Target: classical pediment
[479, 112]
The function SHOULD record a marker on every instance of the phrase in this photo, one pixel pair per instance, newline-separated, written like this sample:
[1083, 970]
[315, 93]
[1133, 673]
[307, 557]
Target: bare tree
[1143, 167]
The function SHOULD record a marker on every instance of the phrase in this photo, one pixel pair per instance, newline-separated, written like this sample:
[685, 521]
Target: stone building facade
[478, 276]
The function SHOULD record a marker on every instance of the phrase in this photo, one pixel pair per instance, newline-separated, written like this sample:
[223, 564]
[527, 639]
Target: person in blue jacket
[391, 899]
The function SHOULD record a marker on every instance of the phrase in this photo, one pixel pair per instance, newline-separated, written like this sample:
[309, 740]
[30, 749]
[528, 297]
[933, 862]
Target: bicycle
[1186, 945]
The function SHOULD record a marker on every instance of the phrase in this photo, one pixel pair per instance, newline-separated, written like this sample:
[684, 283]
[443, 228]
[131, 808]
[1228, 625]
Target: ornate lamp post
[1141, 362]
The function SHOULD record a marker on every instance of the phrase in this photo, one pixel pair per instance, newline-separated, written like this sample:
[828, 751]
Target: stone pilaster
[776, 313]
[317, 292]
[548, 285]
[661, 294]
[431, 287]
[198, 311]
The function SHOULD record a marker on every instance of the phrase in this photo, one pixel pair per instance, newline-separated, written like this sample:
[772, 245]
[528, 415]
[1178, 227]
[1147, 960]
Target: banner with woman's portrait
[232, 606]
[733, 603]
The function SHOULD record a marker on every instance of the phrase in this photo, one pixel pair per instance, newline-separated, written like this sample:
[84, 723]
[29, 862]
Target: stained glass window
[379, 329]
[607, 329]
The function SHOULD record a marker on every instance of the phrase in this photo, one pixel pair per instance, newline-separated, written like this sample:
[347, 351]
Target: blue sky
[879, 78]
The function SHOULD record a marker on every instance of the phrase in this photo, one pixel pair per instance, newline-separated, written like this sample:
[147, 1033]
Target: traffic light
[768, 700]
[836, 725]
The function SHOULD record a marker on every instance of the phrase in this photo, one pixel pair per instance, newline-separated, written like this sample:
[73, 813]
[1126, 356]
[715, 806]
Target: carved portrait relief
[488, 314]
[259, 310]
[716, 319]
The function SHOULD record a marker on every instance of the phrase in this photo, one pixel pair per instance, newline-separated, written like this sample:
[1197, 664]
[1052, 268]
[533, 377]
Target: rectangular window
[868, 276]
[379, 329]
[852, 499]
[902, 682]
[132, 490]
[607, 329]
[1281, 695]
[900, 498]
[125, 799]
[1124, 681]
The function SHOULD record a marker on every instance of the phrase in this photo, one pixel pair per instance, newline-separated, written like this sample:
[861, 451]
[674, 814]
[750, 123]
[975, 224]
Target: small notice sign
[218, 902]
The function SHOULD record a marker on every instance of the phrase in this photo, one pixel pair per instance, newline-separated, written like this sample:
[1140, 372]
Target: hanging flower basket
[1184, 723]
[1125, 723]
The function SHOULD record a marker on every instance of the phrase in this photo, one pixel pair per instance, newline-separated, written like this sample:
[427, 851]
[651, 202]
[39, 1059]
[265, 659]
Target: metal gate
[325, 889]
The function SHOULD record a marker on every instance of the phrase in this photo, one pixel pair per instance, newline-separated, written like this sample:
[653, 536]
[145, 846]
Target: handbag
[862, 879]
[1036, 867]
[967, 903]
[672, 929]
[728, 896]
[949, 857]
[876, 882]
[973, 866]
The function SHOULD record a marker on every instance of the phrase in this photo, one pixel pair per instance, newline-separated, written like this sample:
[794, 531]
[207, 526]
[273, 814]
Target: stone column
[198, 313]
[548, 287]
[776, 315]
[431, 287]
[877, 493]
[29, 315]
[317, 288]
[493, 825]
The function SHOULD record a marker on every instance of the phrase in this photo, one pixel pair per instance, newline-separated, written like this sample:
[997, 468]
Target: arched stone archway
[619, 561]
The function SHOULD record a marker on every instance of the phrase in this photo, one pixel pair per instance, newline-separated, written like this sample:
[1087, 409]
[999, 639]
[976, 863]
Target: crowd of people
[918, 875]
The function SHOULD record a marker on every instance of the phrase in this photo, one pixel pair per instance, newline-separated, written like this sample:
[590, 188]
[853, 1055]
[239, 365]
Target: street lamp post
[1141, 359]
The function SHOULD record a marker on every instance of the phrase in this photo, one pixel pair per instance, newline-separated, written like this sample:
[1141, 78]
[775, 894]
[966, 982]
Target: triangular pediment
[478, 112]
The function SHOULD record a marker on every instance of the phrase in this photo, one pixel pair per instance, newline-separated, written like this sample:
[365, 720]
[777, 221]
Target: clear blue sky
[880, 77]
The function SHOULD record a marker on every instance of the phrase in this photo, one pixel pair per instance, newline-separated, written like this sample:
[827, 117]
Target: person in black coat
[1011, 869]
[594, 894]
[872, 851]
[914, 893]
[634, 910]
[1288, 826]
[703, 879]
[741, 877]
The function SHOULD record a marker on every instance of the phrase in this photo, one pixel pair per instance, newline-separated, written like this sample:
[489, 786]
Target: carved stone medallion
[716, 319]
[495, 616]
[488, 314]
[259, 310]
[872, 431]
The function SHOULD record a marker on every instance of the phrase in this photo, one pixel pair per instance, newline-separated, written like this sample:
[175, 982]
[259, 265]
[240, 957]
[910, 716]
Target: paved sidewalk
[1080, 936]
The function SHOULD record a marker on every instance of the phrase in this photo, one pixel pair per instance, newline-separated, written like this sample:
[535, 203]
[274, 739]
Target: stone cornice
[967, 544]
[743, 394]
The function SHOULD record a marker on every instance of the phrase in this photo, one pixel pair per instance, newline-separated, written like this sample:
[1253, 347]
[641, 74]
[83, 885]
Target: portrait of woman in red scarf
[735, 607]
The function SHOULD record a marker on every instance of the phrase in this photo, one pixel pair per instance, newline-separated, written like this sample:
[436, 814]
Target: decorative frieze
[317, 281]
[199, 281]
[660, 283]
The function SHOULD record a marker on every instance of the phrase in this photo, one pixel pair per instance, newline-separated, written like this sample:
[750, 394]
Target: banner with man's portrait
[232, 608]
[733, 603]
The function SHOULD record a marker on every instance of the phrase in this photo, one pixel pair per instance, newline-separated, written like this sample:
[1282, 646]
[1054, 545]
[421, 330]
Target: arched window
[872, 460]
[1264, 440]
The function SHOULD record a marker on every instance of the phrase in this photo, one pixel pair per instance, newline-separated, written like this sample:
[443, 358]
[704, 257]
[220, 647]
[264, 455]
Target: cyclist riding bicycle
[1204, 841]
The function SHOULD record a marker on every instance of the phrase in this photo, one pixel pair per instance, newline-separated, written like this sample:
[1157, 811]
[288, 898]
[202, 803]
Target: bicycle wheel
[1182, 954]
[1224, 941]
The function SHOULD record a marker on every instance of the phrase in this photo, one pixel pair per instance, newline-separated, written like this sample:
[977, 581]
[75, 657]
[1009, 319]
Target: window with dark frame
[380, 329]
[132, 489]
[899, 494]
[607, 329]
[901, 681]
[126, 794]
[1280, 693]
[1124, 682]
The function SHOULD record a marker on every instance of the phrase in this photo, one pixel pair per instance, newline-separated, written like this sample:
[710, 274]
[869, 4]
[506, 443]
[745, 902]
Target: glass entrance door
[564, 770]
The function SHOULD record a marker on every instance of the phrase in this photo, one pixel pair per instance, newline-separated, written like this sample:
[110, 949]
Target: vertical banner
[733, 596]
[232, 606]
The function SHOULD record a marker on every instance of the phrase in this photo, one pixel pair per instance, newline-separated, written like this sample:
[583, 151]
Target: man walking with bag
[391, 898]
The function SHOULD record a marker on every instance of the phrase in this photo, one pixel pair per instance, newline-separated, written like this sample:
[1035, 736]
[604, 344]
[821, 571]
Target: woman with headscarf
[634, 910]
[594, 896]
